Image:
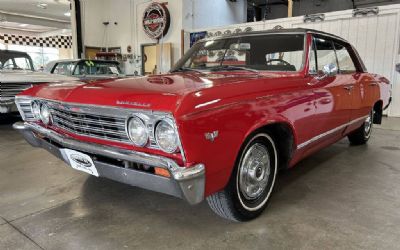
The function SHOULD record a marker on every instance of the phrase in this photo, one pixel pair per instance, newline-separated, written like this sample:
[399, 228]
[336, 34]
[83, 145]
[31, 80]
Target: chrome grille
[9, 90]
[103, 122]
[93, 125]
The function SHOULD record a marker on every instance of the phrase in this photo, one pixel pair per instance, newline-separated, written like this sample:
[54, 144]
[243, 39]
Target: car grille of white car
[8, 91]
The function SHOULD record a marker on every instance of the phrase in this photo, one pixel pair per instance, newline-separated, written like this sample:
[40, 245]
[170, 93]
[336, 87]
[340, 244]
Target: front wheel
[251, 182]
[363, 133]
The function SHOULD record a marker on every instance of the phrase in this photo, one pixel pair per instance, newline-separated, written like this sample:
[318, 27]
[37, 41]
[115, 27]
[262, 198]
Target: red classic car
[208, 129]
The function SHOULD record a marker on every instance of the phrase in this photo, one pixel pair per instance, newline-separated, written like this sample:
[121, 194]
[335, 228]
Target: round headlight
[166, 137]
[137, 131]
[36, 110]
[45, 115]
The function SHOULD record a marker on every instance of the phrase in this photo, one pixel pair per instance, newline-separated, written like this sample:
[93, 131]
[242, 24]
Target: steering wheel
[278, 60]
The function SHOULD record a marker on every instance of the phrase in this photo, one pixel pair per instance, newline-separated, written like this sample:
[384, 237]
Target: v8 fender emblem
[211, 136]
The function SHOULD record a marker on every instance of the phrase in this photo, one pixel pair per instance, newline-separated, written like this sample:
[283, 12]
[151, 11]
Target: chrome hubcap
[254, 171]
[368, 124]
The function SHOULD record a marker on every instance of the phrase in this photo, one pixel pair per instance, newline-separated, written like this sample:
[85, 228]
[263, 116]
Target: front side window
[325, 53]
[270, 52]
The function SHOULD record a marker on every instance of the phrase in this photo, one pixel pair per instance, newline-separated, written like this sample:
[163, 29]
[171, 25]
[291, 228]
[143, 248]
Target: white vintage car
[17, 74]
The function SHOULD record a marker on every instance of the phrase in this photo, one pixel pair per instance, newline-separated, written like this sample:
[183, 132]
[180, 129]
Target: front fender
[233, 124]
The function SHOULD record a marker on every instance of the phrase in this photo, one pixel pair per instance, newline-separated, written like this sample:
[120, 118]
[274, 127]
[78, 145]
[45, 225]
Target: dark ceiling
[261, 3]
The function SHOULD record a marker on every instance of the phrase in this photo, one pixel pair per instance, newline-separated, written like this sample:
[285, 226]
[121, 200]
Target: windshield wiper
[229, 68]
[183, 69]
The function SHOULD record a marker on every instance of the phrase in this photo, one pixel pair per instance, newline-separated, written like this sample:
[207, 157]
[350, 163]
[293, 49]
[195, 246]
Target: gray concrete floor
[343, 197]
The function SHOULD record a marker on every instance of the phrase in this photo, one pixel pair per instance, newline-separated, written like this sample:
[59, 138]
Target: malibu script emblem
[137, 104]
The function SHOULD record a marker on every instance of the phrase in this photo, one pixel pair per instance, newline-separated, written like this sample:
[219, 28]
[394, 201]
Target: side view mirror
[330, 70]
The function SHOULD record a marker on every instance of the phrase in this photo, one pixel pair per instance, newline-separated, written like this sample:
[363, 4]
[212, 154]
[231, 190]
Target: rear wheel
[363, 133]
[251, 182]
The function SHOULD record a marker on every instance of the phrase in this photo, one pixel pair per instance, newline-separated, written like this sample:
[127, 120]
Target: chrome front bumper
[187, 183]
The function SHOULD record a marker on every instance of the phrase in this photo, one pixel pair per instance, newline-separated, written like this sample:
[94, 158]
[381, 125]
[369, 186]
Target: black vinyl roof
[13, 52]
[280, 31]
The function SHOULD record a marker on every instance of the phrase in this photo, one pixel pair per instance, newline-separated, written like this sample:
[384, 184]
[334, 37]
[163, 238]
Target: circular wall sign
[156, 20]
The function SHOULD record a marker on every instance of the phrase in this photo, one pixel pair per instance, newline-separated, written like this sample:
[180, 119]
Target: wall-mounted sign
[156, 20]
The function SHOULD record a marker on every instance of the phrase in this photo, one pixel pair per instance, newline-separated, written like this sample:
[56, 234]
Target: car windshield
[269, 52]
[97, 68]
[11, 61]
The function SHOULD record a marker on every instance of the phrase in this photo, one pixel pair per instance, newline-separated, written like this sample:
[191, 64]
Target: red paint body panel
[235, 104]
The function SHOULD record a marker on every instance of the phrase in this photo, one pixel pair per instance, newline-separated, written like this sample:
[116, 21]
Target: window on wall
[40, 55]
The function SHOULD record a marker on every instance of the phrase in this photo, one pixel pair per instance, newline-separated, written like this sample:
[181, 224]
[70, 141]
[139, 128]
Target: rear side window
[346, 64]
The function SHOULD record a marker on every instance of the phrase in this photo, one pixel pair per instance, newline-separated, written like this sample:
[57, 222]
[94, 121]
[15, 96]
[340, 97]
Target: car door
[365, 89]
[333, 92]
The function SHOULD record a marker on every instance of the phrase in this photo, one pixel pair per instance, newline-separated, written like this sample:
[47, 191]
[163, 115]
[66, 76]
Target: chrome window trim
[320, 136]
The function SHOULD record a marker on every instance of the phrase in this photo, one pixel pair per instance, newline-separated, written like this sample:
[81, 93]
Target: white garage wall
[129, 13]
[377, 39]
[200, 14]
[93, 15]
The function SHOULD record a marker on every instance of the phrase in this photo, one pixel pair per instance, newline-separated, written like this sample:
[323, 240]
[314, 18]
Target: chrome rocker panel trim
[186, 183]
[318, 137]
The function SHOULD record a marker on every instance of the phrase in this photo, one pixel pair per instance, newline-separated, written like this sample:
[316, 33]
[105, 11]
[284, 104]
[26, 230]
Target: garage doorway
[156, 58]
[149, 59]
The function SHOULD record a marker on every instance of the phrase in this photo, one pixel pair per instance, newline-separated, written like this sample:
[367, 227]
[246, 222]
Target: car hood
[162, 92]
[23, 76]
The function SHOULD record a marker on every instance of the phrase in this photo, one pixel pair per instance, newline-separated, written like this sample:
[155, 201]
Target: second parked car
[85, 69]
[18, 74]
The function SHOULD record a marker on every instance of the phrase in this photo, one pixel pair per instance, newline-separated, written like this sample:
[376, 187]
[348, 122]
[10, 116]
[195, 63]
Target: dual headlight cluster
[165, 133]
[41, 112]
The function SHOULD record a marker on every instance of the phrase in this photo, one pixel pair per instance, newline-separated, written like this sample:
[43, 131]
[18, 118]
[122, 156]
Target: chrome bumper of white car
[187, 183]
[7, 106]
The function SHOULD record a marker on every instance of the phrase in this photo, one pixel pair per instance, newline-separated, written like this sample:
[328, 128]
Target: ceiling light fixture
[67, 14]
[42, 5]
[23, 25]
